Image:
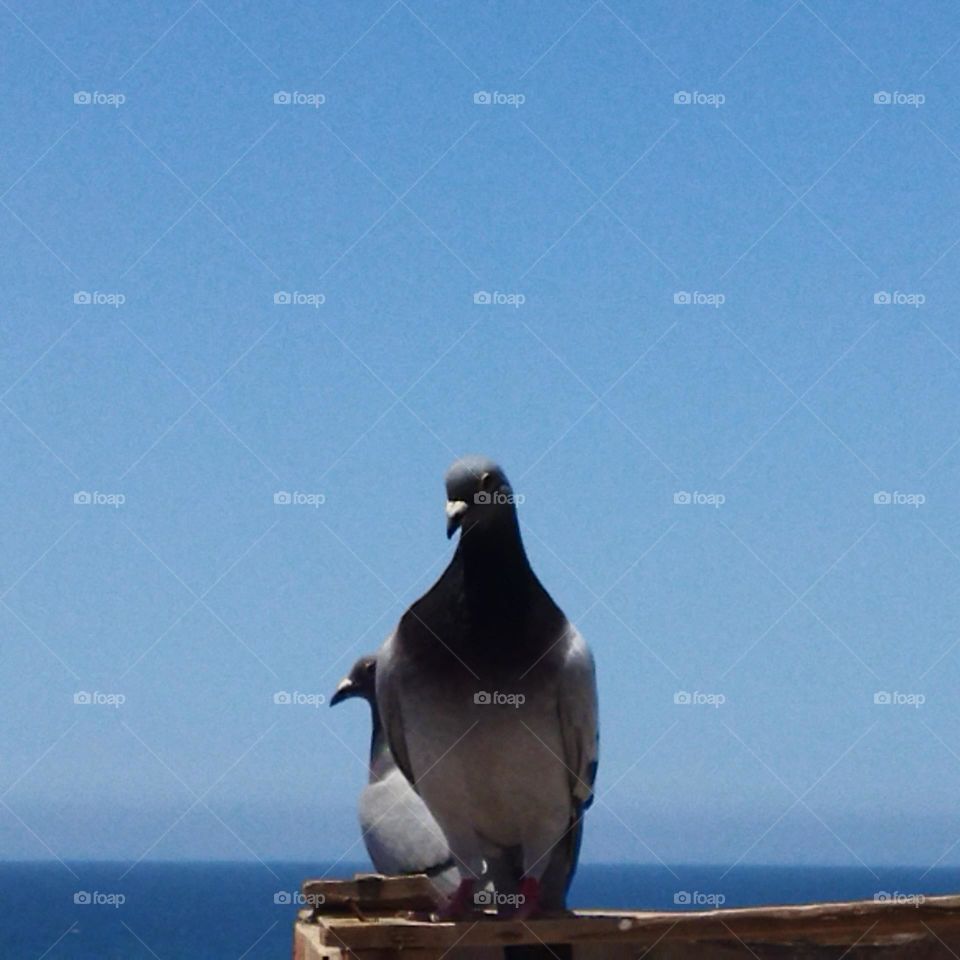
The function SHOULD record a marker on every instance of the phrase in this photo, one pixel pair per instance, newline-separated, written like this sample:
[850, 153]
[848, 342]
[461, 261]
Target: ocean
[166, 911]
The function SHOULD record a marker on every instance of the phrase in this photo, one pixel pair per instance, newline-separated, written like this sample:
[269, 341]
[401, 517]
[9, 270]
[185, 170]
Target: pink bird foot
[529, 905]
[459, 903]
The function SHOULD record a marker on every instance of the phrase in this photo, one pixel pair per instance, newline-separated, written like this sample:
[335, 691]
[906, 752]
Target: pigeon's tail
[553, 894]
[505, 869]
[562, 866]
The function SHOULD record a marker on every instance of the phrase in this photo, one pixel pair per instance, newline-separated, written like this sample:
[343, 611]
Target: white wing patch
[579, 721]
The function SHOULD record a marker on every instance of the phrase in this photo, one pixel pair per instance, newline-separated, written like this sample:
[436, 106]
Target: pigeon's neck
[381, 761]
[493, 557]
[497, 580]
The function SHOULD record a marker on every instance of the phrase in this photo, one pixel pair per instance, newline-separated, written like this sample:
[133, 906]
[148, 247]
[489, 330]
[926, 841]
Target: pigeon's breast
[491, 753]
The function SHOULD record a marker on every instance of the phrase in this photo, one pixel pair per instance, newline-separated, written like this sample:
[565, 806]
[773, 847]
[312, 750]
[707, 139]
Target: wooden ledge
[925, 926]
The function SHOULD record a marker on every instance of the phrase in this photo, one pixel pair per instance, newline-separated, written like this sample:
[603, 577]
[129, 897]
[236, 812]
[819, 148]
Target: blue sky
[782, 201]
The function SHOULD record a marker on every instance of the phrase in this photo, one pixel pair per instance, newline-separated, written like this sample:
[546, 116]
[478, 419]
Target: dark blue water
[214, 910]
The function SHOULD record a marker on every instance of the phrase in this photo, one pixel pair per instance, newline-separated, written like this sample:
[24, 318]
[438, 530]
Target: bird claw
[529, 905]
[458, 904]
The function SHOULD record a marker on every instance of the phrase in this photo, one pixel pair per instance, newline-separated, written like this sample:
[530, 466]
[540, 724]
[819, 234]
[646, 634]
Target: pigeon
[400, 835]
[487, 695]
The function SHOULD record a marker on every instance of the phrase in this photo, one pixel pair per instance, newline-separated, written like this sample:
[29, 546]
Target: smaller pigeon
[400, 835]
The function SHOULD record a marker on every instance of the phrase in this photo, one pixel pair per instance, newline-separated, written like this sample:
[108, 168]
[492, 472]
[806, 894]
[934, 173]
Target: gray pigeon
[398, 831]
[488, 701]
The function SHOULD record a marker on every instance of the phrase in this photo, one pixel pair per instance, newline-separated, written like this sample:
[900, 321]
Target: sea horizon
[174, 908]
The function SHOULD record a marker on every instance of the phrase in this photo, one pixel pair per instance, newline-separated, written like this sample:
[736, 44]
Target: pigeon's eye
[487, 482]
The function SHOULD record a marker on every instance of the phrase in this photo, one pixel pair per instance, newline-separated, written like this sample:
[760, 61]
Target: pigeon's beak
[455, 511]
[346, 688]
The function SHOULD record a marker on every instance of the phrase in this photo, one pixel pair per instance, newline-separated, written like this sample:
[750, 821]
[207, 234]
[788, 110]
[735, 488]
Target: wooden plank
[307, 945]
[842, 924]
[371, 893]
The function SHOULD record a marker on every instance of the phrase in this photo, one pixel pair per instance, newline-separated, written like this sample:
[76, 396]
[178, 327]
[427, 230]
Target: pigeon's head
[359, 682]
[478, 494]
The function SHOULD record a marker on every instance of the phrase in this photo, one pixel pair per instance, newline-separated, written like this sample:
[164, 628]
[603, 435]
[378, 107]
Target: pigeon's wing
[389, 702]
[400, 834]
[579, 730]
[579, 724]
